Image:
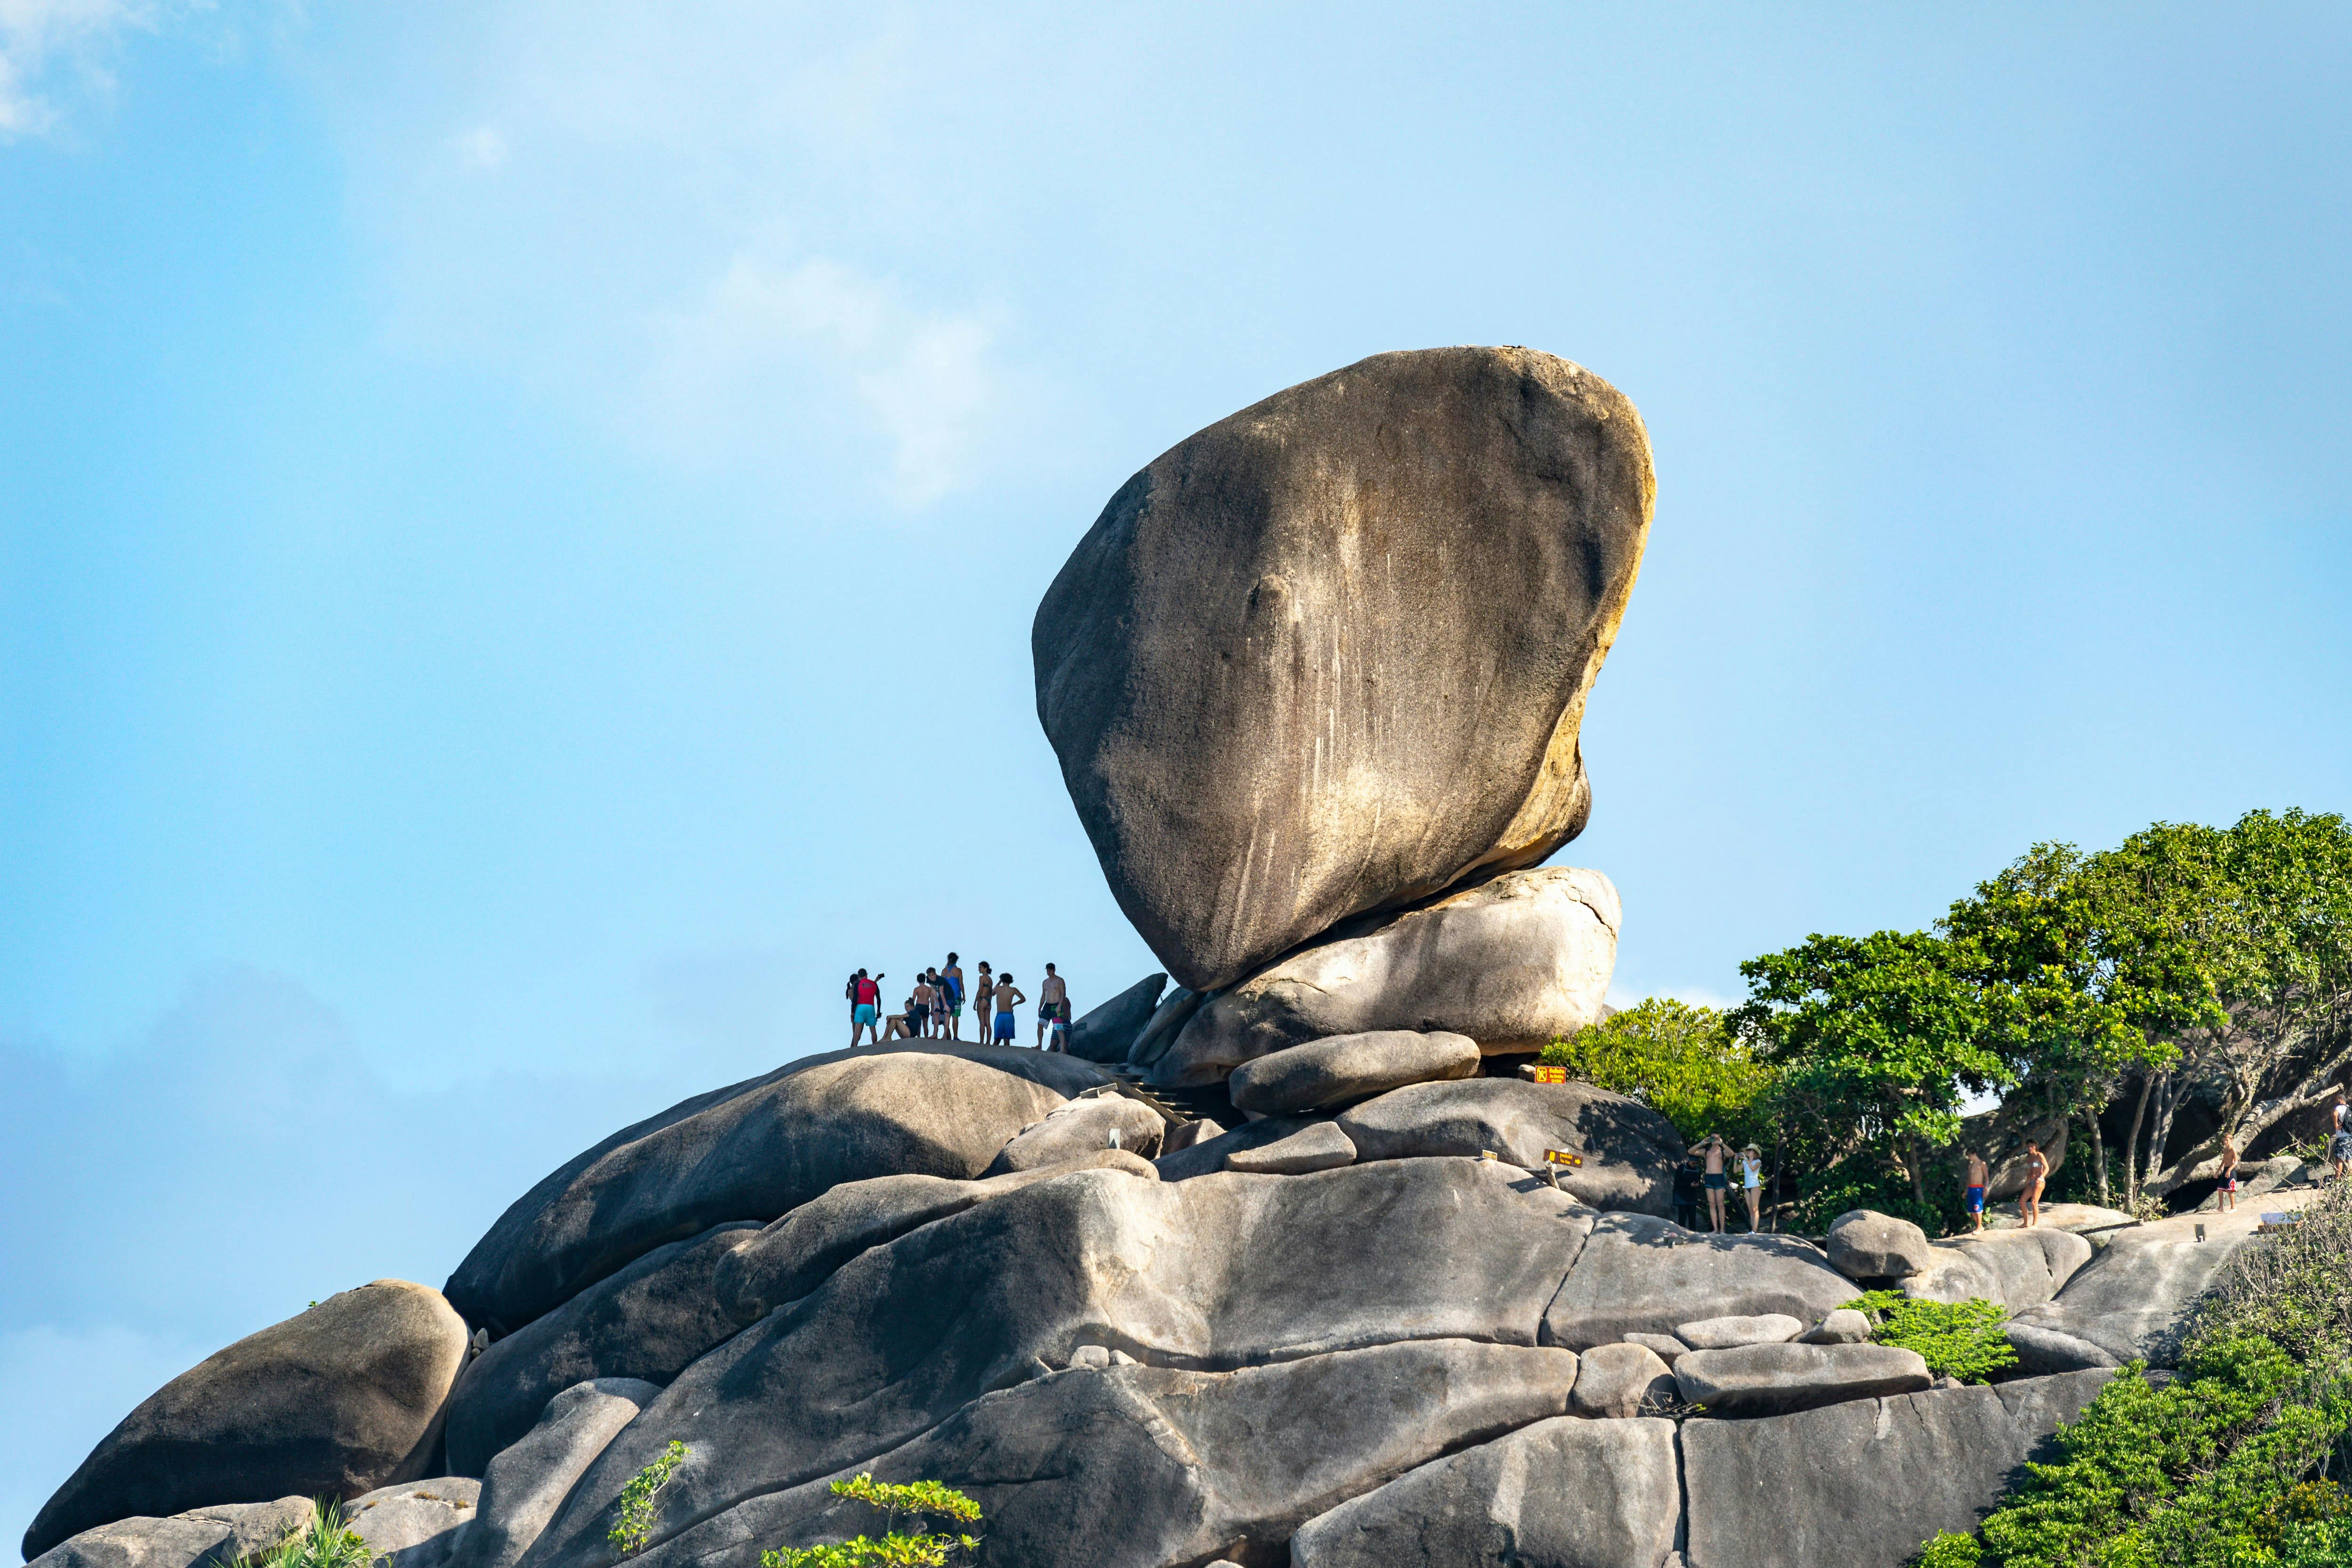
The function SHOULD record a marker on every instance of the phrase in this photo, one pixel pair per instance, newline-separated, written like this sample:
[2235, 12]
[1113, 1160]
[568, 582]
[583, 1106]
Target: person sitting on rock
[1974, 1196]
[1690, 1192]
[1718, 1180]
[1007, 998]
[902, 1023]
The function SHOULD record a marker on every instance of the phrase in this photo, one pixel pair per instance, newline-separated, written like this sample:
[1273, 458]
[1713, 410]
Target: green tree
[1681, 1060]
[1874, 1039]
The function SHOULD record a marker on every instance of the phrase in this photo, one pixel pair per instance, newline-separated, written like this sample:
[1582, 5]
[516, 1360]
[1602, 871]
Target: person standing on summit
[1053, 1000]
[953, 976]
[1007, 998]
[865, 1008]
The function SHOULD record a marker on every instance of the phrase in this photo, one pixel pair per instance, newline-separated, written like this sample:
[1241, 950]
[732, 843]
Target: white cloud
[40, 37]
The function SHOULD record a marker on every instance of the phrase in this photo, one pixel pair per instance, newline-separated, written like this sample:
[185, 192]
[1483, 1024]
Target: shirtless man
[1718, 1180]
[2037, 1171]
[2228, 1190]
[1979, 1178]
[919, 1009]
[953, 976]
[1052, 997]
[1007, 998]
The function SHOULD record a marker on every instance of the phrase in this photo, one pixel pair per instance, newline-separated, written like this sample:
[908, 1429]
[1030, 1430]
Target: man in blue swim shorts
[865, 1008]
[1007, 998]
[1974, 1196]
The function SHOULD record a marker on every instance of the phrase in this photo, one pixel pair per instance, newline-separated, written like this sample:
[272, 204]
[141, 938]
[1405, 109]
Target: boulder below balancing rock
[1108, 1032]
[1318, 1146]
[337, 1401]
[1350, 1067]
[1629, 1150]
[1867, 1245]
[1513, 963]
[1775, 1379]
[1332, 653]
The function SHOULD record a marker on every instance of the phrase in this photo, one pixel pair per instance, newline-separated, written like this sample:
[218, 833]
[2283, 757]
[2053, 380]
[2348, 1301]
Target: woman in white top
[1751, 1182]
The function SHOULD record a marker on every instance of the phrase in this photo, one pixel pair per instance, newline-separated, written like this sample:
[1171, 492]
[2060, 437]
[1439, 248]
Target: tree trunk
[2131, 1139]
[2159, 1130]
[2098, 1155]
[1919, 1188]
[2252, 1122]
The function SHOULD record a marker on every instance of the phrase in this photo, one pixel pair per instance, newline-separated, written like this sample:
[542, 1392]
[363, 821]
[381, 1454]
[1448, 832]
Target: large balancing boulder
[1332, 653]
[1513, 963]
[1629, 1151]
[338, 1401]
[1350, 1067]
[754, 1151]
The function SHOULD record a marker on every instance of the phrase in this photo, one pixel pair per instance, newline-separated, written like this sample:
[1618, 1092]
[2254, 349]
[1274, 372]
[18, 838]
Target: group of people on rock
[1705, 1176]
[934, 1009]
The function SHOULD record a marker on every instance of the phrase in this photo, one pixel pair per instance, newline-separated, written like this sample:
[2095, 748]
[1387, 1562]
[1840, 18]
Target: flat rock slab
[1664, 1346]
[1862, 1484]
[2047, 1350]
[1079, 1129]
[1629, 1150]
[2025, 1267]
[1513, 963]
[417, 1524]
[1350, 1067]
[1139, 1466]
[1209, 1156]
[336, 1401]
[1318, 1146]
[1727, 1333]
[650, 1322]
[1775, 1379]
[1867, 1245]
[1640, 1275]
[527, 1481]
[183, 1540]
[1562, 1493]
[1330, 654]
[754, 1151]
[1621, 1380]
[1108, 1032]
[1212, 1273]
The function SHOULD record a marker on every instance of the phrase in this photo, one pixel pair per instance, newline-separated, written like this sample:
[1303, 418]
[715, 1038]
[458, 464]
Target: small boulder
[1775, 1379]
[2043, 1351]
[1616, 1381]
[2029, 1265]
[1726, 1333]
[416, 1524]
[201, 1535]
[1350, 1067]
[1208, 1156]
[1108, 1032]
[1092, 1355]
[1843, 1326]
[1082, 1127]
[1952, 1276]
[335, 1402]
[1513, 963]
[1198, 1130]
[527, 1482]
[1867, 1245]
[1664, 1346]
[1561, 1492]
[1629, 1150]
[1318, 1146]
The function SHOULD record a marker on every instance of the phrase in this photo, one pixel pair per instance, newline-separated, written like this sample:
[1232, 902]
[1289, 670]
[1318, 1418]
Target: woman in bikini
[2229, 1189]
[2037, 1171]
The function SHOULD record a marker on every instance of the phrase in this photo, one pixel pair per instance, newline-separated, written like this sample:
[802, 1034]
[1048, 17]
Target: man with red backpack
[864, 995]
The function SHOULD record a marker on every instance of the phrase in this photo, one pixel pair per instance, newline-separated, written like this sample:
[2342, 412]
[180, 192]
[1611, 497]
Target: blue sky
[519, 522]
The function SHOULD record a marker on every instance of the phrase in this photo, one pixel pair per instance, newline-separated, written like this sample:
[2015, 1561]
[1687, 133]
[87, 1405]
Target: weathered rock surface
[1952, 1276]
[2027, 1267]
[1198, 1130]
[1664, 1346]
[1728, 1333]
[1350, 1067]
[527, 1481]
[337, 1401]
[1168, 1020]
[754, 1151]
[2087, 1220]
[1619, 1380]
[1630, 1151]
[1561, 1493]
[1862, 1484]
[2047, 1350]
[1108, 1032]
[1275, 670]
[1209, 1156]
[183, 1540]
[794, 1255]
[1867, 1245]
[1512, 964]
[1318, 1146]
[650, 1321]
[2132, 1299]
[1137, 1467]
[1640, 1275]
[1205, 1273]
[1079, 1129]
[1843, 1326]
[1774, 1379]
[416, 1524]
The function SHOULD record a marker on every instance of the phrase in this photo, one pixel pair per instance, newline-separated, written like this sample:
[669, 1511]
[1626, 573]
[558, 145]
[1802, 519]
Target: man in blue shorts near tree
[1007, 998]
[1974, 1196]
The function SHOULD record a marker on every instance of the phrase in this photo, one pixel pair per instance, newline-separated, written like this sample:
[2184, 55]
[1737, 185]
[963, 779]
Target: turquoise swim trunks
[866, 1012]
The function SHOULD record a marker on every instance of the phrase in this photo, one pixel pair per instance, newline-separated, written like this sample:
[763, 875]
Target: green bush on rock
[1956, 1339]
[325, 1541]
[921, 1499]
[634, 1526]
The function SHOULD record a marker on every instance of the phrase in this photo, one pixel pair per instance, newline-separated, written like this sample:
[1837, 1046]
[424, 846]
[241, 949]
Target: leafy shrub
[634, 1526]
[1958, 1339]
[325, 1541]
[1949, 1550]
[1680, 1060]
[921, 1499]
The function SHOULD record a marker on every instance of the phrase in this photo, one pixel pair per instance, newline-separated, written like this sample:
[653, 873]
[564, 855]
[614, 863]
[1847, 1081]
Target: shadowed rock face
[752, 1152]
[527, 1482]
[1640, 1275]
[1110, 1032]
[341, 1399]
[1629, 1150]
[1332, 653]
